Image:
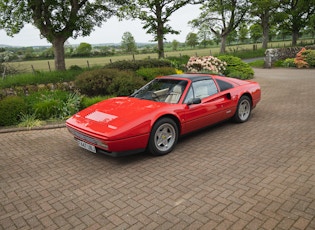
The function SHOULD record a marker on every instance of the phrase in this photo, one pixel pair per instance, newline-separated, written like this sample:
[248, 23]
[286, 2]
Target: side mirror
[194, 101]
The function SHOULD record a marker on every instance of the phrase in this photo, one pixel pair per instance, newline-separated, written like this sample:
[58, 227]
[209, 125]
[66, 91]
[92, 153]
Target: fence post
[33, 69]
[49, 66]
[88, 64]
[133, 57]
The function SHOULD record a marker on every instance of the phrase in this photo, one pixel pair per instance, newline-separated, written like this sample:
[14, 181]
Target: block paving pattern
[256, 175]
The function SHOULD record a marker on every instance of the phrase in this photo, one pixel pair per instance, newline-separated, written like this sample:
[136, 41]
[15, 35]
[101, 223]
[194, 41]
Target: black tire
[244, 109]
[163, 137]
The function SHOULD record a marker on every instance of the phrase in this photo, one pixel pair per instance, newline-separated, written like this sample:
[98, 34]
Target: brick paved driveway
[257, 175]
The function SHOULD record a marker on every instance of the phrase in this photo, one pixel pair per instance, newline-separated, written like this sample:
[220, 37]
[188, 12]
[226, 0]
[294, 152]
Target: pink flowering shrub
[207, 64]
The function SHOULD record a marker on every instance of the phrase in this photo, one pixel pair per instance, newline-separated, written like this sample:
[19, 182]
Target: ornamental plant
[299, 60]
[208, 64]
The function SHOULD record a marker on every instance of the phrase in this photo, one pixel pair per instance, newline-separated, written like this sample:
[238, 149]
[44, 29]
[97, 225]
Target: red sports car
[152, 118]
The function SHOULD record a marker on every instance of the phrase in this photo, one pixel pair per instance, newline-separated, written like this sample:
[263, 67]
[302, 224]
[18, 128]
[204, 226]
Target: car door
[213, 108]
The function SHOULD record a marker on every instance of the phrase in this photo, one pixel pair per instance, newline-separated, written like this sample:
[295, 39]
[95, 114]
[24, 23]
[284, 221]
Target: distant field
[42, 65]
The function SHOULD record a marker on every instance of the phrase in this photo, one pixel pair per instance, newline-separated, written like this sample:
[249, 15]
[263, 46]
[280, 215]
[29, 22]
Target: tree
[222, 17]
[264, 9]
[231, 37]
[155, 14]
[242, 32]
[295, 15]
[204, 36]
[84, 49]
[192, 40]
[128, 43]
[310, 29]
[56, 20]
[255, 32]
[175, 44]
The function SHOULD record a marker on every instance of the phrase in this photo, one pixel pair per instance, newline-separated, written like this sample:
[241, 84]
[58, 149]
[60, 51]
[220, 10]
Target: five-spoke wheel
[244, 109]
[164, 136]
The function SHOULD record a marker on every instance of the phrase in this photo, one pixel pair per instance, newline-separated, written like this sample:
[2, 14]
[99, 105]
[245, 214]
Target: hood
[116, 115]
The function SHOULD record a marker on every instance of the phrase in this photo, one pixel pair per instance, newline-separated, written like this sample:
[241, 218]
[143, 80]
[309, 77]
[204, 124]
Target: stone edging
[47, 126]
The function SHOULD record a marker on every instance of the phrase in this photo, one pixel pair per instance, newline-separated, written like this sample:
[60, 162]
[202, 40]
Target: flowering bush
[6, 56]
[299, 60]
[205, 64]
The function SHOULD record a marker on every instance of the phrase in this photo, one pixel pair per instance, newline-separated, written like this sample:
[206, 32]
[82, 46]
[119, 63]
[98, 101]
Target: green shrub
[88, 101]
[75, 67]
[289, 62]
[310, 57]
[53, 104]
[150, 73]
[124, 84]
[235, 66]
[30, 120]
[108, 82]
[95, 82]
[135, 65]
[179, 62]
[278, 63]
[70, 106]
[11, 109]
[39, 78]
[47, 109]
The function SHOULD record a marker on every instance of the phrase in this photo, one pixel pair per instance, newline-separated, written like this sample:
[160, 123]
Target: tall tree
[264, 9]
[57, 20]
[175, 44]
[295, 15]
[255, 31]
[222, 17]
[84, 49]
[128, 43]
[192, 39]
[155, 14]
[204, 35]
[242, 32]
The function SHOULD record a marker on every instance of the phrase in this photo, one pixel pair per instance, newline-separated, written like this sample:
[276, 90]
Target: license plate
[87, 146]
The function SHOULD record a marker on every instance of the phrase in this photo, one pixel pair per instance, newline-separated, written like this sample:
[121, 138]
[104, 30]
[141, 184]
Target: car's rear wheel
[244, 109]
[163, 138]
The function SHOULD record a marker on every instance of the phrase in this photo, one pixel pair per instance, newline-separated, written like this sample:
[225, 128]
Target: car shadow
[203, 131]
[145, 156]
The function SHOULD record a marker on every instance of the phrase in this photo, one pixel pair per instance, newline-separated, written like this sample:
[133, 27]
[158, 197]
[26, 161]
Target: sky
[111, 31]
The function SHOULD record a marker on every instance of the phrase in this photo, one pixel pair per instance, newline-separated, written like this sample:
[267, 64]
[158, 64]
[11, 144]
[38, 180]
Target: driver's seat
[174, 95]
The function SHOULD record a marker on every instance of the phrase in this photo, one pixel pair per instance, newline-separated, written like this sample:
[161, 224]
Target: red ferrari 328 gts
[152, 118]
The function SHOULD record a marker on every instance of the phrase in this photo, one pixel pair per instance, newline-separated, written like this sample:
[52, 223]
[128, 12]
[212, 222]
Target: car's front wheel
[163, 138]
[244, 109]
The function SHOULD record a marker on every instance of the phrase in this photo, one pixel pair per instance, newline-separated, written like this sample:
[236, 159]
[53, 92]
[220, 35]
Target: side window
[224, 85]
[201, 89]
[204, 88]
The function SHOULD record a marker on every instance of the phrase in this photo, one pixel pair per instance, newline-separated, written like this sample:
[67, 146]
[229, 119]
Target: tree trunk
[223, 43]
[295, 37]
[59, 53]
[265, 27]
[160, 40]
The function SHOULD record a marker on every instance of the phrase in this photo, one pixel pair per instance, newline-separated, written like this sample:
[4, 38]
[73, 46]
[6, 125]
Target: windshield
[164, 90]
